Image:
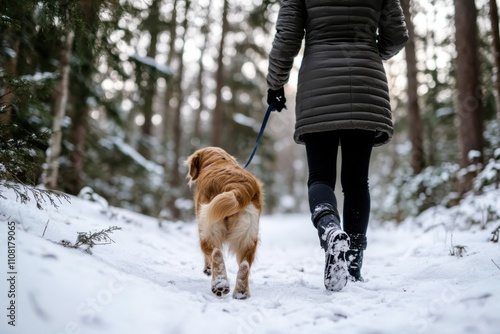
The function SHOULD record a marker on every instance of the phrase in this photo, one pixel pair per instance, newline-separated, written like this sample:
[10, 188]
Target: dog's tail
[223, 205]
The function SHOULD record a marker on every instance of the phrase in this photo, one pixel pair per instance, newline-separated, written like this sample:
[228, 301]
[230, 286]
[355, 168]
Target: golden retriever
[228, 202]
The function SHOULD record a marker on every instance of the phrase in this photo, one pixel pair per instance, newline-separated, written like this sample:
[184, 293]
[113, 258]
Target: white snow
[246, 121]
[132, 153]
[473, 155]
[166, 70]
[150, 280]
[39, 76]
[10, 52]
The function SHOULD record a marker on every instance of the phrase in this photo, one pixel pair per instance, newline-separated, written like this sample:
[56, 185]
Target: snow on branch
[39, 76]
[131, 152]
[150, 62]
[246, 121]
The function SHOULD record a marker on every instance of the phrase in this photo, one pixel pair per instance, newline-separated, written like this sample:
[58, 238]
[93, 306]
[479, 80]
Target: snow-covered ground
[150, 280]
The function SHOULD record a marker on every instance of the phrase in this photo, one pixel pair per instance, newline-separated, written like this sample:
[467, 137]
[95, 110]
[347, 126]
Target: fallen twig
[45, 229]
[495, 264]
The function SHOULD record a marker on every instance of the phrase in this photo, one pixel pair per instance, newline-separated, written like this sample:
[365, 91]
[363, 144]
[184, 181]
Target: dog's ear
[193, 163]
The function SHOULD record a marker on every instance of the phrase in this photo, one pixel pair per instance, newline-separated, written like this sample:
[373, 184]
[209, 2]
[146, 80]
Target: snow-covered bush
[397, 193]
[122, 177]
[437, 186]
[408, 194]
[490, 174]
[21, 157]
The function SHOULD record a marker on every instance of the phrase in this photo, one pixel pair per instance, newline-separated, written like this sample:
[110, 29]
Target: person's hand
[276, 98]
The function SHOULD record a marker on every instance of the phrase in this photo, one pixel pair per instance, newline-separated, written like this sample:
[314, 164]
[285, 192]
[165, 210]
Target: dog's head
[204, 158]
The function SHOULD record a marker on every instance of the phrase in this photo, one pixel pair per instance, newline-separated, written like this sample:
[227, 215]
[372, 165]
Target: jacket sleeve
[392, 32]
[290, 28]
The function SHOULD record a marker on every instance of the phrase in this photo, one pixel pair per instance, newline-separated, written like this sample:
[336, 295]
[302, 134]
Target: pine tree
[175, 179]
[415, 126]
[51, 170]
[218, 112]
[496, 51]
[153, 26]
[469, 95]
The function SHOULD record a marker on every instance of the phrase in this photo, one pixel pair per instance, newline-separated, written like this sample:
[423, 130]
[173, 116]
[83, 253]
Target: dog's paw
[242, 290]
[220, 286]
[207, 271]
[241, 296]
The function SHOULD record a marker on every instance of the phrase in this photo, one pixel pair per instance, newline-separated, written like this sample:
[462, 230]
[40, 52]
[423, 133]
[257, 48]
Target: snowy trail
[151, 280]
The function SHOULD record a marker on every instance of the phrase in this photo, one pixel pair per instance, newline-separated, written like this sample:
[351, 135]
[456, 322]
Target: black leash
[261, 133]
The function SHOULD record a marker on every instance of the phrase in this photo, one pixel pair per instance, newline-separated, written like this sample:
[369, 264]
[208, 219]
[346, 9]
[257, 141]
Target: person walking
[342, 100]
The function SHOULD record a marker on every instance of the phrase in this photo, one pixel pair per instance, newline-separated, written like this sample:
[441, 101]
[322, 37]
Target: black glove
[276, 98]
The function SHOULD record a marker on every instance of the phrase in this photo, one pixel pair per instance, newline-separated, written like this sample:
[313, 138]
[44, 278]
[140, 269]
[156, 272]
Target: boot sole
[336, 272]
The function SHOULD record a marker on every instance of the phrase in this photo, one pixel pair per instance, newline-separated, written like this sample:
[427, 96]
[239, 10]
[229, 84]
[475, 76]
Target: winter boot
[335, 242]
[354, 256]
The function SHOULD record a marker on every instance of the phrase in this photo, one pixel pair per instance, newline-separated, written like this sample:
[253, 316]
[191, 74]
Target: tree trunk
[169, 91]
[51, 171]
[77, 156]
[414, 120]
[200, 84]
[176, 180]
[217, 116]
[80, 93]
[172, 130]
[496, 52]
[201, 91]
[469, 96]
[152, 23]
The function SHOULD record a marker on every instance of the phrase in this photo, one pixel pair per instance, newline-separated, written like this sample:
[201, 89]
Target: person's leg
[322, 151]
[356, 146]
[356, 153]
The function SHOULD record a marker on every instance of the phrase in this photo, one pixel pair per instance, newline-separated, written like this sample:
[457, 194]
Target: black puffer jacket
[342, 82]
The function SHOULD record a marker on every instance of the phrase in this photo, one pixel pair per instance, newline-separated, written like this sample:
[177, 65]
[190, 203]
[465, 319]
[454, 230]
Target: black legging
[356, 148]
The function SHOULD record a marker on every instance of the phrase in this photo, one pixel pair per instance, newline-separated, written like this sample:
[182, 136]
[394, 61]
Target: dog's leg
[243, 242]
[245, 258]
[220, 283]
[207, 268]
[213, 254]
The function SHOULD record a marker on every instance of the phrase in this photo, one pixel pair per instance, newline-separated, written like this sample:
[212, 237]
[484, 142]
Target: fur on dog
[228, 203]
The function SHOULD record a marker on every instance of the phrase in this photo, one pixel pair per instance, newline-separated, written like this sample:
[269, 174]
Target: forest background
[111, 96]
